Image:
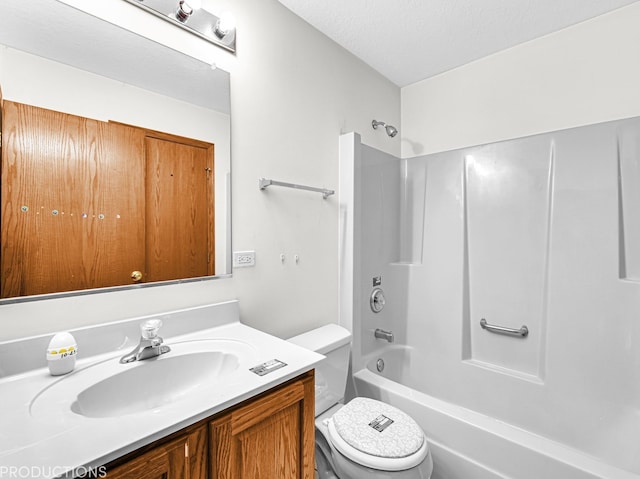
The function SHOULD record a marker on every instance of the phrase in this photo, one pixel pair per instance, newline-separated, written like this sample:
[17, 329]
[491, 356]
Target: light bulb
[225, 24]
[194, 4]
[186, 8]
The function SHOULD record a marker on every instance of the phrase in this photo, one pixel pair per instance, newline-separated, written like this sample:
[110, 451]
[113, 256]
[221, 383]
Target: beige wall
[293, 92]
[584, 74]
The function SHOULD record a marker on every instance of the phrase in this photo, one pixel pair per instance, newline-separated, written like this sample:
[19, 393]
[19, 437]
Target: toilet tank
[331, 373]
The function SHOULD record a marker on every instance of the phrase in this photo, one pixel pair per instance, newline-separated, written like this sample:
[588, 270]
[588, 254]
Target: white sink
[154, 383]
[110, 389]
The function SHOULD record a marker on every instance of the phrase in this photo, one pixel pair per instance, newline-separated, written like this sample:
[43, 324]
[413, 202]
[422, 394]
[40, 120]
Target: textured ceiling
[410, 40]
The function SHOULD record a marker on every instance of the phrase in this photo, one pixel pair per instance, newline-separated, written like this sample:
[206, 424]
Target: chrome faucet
[150, 344]
[382, 334]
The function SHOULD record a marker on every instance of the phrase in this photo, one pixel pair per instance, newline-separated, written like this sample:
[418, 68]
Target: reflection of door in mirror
[179, 213]
[112, 208]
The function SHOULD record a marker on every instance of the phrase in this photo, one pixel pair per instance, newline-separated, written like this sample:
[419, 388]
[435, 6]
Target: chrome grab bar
[523, 331]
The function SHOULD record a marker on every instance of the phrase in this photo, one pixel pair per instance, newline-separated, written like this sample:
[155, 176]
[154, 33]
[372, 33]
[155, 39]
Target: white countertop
[45, 438]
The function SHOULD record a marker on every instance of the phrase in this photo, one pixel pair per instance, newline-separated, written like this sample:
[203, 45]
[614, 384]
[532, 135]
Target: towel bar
[263, 183]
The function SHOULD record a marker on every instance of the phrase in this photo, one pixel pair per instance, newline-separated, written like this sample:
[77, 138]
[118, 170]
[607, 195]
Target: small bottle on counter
[61, 354]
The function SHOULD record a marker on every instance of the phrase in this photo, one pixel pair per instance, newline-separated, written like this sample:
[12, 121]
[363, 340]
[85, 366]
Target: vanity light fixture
[188, 15]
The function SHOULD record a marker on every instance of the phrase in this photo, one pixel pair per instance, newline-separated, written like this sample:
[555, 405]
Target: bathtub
[469, 445]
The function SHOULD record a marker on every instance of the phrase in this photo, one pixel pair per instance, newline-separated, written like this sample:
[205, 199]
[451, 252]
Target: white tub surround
[39, 430]
[539, 231]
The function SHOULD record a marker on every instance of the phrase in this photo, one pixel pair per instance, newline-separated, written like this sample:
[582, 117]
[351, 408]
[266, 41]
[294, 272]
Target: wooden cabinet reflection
[86, 203]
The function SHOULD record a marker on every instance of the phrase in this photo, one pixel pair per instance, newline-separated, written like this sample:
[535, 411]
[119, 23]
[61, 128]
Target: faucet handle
[149, 329]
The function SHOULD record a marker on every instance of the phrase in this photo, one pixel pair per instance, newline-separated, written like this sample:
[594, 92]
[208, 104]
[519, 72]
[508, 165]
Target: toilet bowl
[362, 438]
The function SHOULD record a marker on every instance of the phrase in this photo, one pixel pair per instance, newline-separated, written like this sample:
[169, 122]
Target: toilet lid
[377, 435]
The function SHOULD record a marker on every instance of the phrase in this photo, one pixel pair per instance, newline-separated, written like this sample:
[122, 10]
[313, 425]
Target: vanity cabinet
[182, 458]
[269, 437]
[266, 437]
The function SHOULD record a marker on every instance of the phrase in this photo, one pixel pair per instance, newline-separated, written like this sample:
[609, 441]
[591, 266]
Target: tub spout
[382, 334]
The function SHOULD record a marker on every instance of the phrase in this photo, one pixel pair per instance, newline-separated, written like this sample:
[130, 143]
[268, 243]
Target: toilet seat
[377, 435]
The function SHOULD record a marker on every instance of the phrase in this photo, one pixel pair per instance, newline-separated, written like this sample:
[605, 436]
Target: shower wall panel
[412, 213]
[380, 206]
[507, 190]
[628, 152]
[542, 231]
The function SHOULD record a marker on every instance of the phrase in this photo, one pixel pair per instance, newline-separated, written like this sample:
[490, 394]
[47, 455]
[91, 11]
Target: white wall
[584, 74]
[34, 80]
[293, 92]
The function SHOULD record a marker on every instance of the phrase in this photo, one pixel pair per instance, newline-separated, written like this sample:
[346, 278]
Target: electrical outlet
[244, 259]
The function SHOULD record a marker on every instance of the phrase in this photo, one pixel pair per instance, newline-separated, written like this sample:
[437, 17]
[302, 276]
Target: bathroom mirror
[62, 60]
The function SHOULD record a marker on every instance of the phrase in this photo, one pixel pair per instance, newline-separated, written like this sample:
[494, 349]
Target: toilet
[364, 438]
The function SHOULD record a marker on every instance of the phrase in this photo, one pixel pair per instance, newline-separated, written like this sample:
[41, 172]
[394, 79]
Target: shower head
[391, 130]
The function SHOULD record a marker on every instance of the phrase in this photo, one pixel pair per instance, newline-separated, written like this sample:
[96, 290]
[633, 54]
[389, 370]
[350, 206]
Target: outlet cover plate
[244, 259]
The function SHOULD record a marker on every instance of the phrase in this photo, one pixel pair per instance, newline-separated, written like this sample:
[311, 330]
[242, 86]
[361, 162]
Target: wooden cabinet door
[179, 210]
[183, 458]
[272, 437]
[72, 202]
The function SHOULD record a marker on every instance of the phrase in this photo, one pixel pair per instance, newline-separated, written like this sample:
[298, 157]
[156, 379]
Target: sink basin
[153, 383]
[110, 389]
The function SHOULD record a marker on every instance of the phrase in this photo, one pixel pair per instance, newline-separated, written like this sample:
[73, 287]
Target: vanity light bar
[188, 15]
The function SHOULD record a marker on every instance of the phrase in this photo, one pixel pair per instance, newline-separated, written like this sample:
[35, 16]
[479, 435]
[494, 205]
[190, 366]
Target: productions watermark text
[42, 472]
